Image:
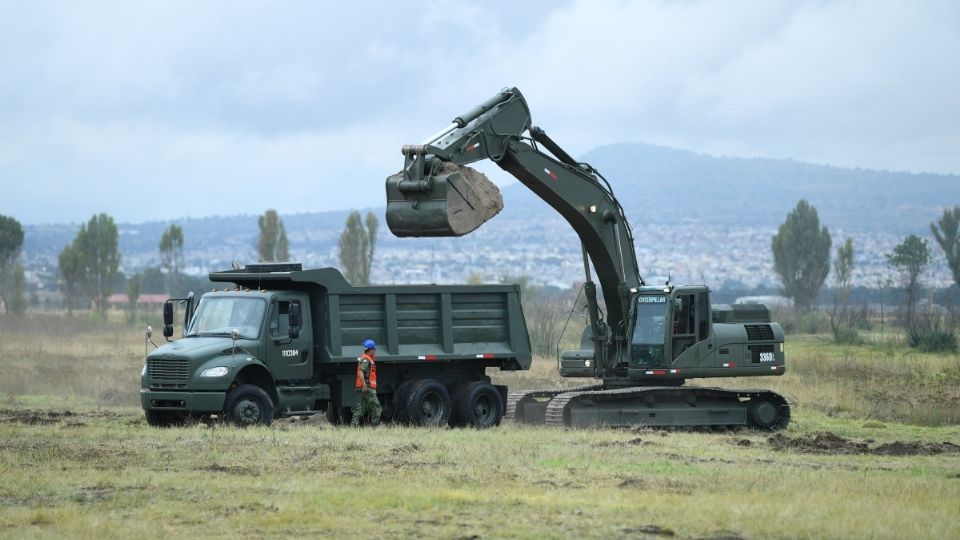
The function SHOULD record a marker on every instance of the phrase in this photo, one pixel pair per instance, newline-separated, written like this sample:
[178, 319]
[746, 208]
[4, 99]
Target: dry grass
[101, 472]
[106, 474]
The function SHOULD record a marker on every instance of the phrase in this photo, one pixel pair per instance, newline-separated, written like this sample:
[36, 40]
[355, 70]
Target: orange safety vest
[373, 372]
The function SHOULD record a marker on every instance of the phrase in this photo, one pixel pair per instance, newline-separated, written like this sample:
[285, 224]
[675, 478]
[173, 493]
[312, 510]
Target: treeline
[89, 266]
[802, 262]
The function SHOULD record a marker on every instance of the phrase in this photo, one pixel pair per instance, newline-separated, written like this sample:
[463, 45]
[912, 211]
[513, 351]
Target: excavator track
[517, 400]
[669, 406]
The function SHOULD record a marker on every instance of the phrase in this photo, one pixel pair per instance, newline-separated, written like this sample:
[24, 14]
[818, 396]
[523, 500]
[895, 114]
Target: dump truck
[642, 341]
[280, 341]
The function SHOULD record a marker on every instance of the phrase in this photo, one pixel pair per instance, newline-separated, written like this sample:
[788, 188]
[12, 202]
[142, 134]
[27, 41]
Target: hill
[665, 185]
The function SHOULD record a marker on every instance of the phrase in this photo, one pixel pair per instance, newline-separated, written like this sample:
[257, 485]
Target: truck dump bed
[410, 323]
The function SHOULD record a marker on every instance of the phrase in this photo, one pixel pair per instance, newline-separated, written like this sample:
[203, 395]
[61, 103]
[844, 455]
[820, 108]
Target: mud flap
[453, 202]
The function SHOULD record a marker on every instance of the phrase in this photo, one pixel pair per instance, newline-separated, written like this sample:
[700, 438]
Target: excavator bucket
[453, 202]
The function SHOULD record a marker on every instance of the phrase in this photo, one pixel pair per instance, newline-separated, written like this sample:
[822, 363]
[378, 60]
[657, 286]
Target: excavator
[644, 341]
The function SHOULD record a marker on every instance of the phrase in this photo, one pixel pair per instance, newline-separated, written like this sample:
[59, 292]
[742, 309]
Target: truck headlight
[586, 363]
[214, 372]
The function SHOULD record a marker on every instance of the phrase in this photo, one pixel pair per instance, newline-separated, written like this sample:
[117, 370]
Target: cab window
[280, 319]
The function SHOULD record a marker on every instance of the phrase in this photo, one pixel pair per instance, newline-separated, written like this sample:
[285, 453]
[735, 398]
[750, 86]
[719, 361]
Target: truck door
[289, 357]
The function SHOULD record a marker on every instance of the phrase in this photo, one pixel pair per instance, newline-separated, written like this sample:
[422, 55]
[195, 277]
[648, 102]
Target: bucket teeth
[454, 202]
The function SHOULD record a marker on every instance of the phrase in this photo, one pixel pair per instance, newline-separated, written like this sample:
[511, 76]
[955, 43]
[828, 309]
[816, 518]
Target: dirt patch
[405, 449]
[632, 442]
[723, 535]
[650, 530]
[230, 469]
[37, 417]
[743, 443]
[33, 418]
[830, 443]
[634, 483]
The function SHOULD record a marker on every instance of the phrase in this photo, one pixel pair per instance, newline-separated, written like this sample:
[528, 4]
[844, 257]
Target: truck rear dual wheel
[428, 404]
[478, 405]
[248, 405]
[399, 403]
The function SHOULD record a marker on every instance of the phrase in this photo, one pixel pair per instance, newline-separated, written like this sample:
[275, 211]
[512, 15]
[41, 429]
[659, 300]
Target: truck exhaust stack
[453, 201]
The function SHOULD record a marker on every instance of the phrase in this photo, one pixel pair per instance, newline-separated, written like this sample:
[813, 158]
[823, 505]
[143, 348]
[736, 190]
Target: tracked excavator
[646, 340]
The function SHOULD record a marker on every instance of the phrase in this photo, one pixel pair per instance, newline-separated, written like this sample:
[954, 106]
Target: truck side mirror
[167, 320]
[294, 318]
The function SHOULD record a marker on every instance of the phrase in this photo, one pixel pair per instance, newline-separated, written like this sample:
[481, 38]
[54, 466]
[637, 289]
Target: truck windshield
[221, 315]
[649, 330]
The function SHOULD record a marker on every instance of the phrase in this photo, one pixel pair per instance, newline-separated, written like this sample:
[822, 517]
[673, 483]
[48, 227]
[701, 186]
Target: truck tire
[163, 419]
[455, 397]
[248, 405]
[338, 416]
[428, 404]
[399, 402]
[479, 405]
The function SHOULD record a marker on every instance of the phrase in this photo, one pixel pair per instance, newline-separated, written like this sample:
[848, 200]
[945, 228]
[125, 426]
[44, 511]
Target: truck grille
[168, 369]
[759, 332]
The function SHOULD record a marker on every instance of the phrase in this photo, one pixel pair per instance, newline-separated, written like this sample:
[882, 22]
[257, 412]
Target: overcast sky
[162, 110]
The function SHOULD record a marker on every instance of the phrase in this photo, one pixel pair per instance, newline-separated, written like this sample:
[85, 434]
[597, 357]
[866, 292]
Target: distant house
[146, 301]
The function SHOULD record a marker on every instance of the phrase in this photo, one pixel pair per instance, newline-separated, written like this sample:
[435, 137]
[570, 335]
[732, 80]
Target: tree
[171, 257]
[71, 274]
[840, 323]
[357, 243]
[843, 270]
[18, 299]
[801, 255]
[133, 294]
[11, 240]
[97, 241]
[947, 233]
[910, 257]
[272, 245]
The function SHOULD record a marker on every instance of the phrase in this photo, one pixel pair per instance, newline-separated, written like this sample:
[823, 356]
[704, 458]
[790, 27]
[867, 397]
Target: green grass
[104, 473]
[101, 472]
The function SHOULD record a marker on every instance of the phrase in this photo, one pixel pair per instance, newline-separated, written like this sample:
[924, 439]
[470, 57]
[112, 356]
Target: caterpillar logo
[289, 353]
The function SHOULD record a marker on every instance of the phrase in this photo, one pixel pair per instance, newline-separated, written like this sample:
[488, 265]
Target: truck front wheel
[248, 405]
[428, 404]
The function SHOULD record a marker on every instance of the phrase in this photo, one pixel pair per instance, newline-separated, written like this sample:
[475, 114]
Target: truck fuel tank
[453, 201]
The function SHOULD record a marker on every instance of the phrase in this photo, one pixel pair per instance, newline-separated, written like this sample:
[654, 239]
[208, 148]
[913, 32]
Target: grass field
[871, 453]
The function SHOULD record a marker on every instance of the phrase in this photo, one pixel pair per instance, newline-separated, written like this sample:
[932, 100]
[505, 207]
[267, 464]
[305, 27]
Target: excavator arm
[500, 130]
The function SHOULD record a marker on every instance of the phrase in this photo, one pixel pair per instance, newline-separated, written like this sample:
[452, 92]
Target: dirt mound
[824, 442]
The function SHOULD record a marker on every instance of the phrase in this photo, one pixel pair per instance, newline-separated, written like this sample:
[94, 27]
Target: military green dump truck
[280, 341]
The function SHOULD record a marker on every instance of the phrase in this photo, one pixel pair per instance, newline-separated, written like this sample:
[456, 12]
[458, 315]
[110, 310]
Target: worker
[366, 385]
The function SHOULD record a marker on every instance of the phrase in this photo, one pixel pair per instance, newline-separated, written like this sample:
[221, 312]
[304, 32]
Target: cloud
[153, 111]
